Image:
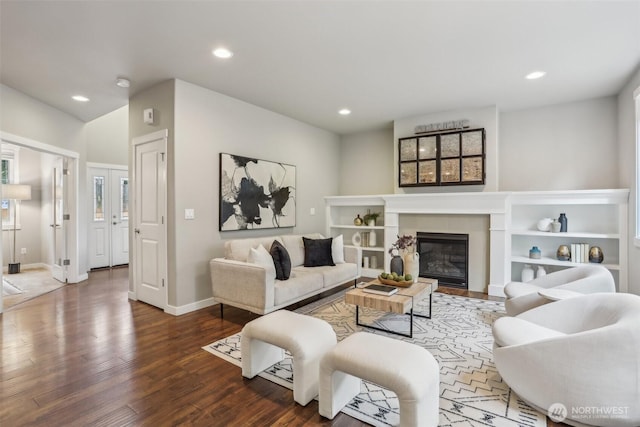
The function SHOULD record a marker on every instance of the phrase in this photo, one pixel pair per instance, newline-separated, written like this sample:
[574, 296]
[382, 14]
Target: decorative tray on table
[400, 284]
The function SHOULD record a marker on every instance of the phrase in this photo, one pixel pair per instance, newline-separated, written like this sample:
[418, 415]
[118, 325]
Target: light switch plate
[189, 214]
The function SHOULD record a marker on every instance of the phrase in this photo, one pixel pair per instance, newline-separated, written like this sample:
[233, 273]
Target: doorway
[54, 242]
[108, 191]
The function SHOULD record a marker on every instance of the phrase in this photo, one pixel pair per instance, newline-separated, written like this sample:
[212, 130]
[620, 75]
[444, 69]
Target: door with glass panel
[58, 214]
[109, 217]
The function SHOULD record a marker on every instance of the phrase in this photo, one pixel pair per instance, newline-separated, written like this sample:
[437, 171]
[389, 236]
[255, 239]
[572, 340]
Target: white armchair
[582, 352]
[586, 279]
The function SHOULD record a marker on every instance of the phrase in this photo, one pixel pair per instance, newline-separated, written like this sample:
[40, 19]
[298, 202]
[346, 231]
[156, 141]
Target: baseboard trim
[132, 296]
[80, 278]
[188, 308]
[496, 291]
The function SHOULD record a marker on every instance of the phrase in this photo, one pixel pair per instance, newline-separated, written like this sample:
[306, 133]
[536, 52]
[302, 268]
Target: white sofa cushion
[339, 273]
[260, 256]
[295, 247]
[238, 249]
[337, 250]
[303, 281]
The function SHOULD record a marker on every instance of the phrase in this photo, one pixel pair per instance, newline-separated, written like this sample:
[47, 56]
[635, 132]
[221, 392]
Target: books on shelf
[580, 252]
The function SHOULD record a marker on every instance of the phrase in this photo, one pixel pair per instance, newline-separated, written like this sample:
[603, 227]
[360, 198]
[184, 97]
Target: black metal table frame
[411, 315]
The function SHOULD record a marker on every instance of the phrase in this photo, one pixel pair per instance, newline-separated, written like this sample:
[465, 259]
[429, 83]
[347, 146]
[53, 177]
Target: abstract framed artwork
[256, 194]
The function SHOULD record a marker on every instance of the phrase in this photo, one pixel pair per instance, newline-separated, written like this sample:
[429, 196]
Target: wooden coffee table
[401, 302]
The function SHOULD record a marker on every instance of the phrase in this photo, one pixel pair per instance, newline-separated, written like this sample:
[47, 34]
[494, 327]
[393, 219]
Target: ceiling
[384, 60]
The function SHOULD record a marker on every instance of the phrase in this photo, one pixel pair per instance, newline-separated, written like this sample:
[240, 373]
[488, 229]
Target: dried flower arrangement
[403, 243]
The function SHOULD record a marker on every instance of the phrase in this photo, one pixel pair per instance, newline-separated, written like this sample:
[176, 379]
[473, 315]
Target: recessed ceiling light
[222, 53]
[122, 82]
[344, 112]
[80, 98]
[535, 75]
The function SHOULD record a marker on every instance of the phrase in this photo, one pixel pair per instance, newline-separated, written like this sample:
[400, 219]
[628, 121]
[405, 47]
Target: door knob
[115, 223]
[137, 230]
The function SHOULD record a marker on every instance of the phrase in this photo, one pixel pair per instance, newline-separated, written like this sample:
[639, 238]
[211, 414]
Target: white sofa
[250, 286]
[582, 352]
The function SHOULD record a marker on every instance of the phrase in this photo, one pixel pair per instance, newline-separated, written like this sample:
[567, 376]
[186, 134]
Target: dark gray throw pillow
[281, 260]
[317, 252]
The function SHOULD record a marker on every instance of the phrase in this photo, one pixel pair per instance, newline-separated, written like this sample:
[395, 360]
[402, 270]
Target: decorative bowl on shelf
[400, 284]
[596, 255]
[563, 253]
[544, 224]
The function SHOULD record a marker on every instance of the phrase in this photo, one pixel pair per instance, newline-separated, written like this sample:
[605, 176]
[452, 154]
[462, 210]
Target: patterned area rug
[459, 337]
[31, 282]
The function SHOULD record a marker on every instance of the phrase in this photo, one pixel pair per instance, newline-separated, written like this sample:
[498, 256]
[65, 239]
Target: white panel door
[150, 235]
[99, 226]
[119, 202]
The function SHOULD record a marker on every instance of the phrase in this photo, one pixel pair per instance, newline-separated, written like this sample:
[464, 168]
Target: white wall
[560, 147]
[108, 138]
[207, 123]
[627, 169]
[366, 163]
[486, 118]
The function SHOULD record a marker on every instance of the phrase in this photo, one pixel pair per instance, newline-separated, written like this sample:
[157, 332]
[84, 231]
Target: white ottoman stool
[264, 340]
[406, 369]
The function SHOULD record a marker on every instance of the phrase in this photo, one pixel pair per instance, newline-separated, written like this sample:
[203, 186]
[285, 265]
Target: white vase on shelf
[527, 273]
[540, 272]
[372, 238]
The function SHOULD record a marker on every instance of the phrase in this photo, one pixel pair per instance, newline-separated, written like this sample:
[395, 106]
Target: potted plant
[371, 218]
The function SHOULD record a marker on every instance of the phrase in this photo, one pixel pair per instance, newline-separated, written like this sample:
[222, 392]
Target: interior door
[119, 202]
[150, 235]
[99, 226]
[60, 261]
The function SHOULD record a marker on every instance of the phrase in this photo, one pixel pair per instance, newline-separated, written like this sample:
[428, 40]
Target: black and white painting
[256, 194]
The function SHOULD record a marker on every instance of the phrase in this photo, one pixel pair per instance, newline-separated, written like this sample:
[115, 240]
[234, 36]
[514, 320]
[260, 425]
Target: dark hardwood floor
[86, 355]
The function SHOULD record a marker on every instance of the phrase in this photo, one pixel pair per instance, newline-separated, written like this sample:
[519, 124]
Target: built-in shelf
[595, 217]
[358, 227]
[368, 248]
[556, 262]
[371, 272]
[580, 235]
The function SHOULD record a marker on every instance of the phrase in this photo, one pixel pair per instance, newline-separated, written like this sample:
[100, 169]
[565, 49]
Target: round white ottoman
[406, 369]
[264, 340]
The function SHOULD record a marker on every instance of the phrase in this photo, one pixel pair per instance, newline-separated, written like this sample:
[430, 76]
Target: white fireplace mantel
[504, 223]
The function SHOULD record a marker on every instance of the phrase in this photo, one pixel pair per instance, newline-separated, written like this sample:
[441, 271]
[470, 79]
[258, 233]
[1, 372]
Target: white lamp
[15, 192]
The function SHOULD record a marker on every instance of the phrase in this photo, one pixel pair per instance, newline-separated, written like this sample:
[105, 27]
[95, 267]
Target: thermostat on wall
[148, 116]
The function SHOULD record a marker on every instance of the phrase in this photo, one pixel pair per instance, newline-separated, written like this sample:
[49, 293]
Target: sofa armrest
[354, 255]
[241, 284]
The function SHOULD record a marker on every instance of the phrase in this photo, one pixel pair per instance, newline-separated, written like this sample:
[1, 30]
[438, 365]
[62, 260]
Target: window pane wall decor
[446, 158]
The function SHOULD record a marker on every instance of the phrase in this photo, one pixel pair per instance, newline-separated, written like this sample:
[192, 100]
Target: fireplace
[444, 256]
